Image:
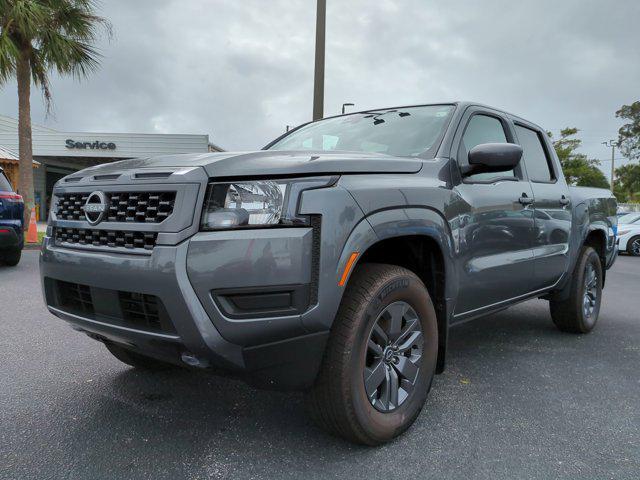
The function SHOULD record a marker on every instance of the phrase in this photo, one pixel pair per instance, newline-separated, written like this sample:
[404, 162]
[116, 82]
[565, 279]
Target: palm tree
[36, 37]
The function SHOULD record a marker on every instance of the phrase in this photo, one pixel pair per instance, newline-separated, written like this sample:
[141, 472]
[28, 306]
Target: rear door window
[534, 155]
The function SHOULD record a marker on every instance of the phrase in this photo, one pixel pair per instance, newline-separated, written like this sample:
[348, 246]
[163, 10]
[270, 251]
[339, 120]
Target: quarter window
[534, 155]
[483, 129]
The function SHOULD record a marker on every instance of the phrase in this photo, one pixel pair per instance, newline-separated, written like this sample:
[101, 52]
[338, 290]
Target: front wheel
[633, 246]
[380, 359]
[579, 313]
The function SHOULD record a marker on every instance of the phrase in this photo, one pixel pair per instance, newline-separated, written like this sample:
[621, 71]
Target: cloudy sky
[240, 70]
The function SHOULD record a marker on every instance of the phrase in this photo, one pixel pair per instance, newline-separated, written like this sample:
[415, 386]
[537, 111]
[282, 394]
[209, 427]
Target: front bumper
[270, 349]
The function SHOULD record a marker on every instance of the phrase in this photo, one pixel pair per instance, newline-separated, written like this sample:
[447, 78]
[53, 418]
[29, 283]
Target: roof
[7, 154]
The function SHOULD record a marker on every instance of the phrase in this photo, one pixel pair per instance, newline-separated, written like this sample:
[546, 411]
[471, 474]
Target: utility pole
[612, 144]
[318, 82]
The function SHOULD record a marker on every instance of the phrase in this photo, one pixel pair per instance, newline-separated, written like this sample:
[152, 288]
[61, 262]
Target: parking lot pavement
[518, 400]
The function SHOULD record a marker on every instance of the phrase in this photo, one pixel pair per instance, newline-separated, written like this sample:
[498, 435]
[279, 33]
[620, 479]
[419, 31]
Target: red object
[11, 196]
[4, 230]
[32, 233]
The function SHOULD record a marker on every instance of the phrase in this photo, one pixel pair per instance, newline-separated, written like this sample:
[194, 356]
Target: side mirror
[493, 157]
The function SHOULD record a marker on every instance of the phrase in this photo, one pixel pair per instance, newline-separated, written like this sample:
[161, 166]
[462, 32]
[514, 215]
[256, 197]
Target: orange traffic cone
[32, 233]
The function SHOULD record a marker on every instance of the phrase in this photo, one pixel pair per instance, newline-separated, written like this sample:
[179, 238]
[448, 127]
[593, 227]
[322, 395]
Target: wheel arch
[418, 239]
[596, 238]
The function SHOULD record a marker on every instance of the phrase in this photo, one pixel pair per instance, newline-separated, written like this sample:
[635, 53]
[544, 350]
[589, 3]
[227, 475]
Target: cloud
[241, 70]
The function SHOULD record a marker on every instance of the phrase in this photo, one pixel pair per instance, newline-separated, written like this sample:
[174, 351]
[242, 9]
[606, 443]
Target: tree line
[584, 172]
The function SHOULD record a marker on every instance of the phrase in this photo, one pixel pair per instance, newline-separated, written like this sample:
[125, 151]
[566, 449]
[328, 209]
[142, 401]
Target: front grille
[126, 309]
[140, 309]
[70, 206]
[105, 238]
[136, 207]
[75, 297]
[150, 207]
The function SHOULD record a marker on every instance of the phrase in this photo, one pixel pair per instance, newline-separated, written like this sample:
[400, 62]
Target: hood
[272, 162]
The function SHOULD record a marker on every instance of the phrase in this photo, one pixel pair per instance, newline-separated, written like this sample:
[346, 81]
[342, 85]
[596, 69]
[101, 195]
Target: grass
[40, 237]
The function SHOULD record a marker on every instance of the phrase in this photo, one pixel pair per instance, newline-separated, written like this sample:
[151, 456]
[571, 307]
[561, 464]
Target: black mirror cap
[493, 157]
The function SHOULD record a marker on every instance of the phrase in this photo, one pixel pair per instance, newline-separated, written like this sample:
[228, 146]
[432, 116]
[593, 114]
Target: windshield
[405, 132]
[629, 218]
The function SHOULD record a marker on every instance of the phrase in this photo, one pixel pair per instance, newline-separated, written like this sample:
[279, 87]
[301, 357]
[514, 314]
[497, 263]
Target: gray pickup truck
[335, 260]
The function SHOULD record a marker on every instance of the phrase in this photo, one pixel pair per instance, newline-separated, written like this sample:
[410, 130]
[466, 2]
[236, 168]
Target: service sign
[95, 145]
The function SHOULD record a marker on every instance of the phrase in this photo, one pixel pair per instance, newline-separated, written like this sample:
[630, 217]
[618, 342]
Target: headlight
[623, 232]
[256, 203]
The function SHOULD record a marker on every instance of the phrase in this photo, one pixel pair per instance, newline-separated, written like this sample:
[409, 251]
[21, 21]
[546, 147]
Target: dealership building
[57, 154]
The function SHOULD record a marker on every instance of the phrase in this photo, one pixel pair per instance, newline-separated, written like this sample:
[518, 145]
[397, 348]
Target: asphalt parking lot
[519, 400]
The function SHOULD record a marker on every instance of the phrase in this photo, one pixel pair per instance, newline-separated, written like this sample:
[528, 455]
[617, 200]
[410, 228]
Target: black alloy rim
[590, 297]
[393, 356]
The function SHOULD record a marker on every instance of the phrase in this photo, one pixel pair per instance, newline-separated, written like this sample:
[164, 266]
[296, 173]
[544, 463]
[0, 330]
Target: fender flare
[401, 222]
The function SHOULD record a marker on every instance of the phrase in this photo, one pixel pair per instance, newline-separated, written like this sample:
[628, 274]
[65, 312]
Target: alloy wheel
[635, 246]
[393, 356]
[590, 297]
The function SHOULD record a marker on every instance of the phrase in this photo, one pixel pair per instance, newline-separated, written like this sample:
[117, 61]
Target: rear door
[495, 232]
[552, 219]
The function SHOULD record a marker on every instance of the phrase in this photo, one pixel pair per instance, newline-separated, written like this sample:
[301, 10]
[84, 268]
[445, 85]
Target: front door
[496, 231]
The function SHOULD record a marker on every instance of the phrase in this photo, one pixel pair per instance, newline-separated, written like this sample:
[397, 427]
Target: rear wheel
[380, 359]
[579, 313]
[633, 246]
[137, 360]
[11, 257]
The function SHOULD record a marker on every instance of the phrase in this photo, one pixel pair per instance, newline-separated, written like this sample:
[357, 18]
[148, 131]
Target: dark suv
[11, 218]
[335, 260]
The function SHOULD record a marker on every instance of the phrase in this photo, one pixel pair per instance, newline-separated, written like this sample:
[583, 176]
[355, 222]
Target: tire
[633, 246]
[579, 313]
[137, 360]
[339, 402]
[11, 257]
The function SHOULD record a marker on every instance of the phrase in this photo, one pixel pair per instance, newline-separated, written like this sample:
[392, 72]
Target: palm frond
[9, 52]
[54, 34]
[68, 55]
[25, 18]
[40, 78]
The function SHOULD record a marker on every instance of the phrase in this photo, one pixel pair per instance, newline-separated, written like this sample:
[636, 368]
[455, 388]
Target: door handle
[525, 200]
[564, 200]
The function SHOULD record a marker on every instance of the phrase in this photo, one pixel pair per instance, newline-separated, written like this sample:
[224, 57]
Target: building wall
[67, 164]
[74, 151]
[125, 145]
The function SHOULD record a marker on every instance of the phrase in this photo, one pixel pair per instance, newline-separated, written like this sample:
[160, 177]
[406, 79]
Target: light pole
[347, 105]
[612, 144]
[318, 82]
